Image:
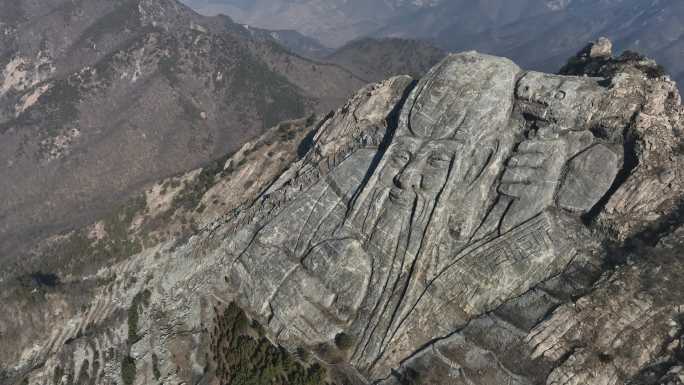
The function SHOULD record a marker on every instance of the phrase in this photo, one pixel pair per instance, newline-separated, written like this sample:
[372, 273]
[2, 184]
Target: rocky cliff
[483, 225]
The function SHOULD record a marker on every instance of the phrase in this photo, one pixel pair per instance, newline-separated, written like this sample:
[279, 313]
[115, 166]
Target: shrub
[654, 72]
[57, 375]
[344, 341]
[191, 195]
[128, 370]
[631, 56]
[155, 367]
[244, 360]
[140, 299]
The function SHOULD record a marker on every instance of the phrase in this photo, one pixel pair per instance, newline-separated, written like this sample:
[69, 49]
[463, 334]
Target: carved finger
[536, 146]
[548, 132]
[515, 190]
[525, 175]
[533, 159]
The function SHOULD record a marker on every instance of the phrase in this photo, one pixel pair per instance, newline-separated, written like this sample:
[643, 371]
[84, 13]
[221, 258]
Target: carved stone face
[417, 168]
[442, 148]
[447, 150]
[415, 172]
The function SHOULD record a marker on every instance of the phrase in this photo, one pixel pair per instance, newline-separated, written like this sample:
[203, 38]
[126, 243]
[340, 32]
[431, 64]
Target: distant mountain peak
[538, 34]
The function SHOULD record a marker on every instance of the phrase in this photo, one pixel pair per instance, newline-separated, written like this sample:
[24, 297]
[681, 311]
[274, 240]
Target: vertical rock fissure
[630, 163]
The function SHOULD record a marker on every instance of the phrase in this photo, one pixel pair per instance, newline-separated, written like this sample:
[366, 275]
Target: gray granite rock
[455, 218]
[589, 176]
[602, 49]
[483, 226]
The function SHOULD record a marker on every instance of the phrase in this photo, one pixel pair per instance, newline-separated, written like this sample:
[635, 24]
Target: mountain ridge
[377, 59]
[539, 34]
[99, 98]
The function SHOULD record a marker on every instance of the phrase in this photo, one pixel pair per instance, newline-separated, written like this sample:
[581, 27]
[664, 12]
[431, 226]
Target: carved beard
[396, 228]
[393, 233]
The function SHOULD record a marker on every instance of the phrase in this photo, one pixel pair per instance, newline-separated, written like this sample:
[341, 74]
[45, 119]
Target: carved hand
[531, 178]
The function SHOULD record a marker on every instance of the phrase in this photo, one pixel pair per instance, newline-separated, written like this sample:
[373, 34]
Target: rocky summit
[483, 225]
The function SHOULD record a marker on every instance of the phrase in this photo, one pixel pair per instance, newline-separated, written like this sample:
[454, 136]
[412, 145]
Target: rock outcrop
[485, 225]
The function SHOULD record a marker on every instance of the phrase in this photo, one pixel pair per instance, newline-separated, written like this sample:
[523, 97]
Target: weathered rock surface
[485, 225]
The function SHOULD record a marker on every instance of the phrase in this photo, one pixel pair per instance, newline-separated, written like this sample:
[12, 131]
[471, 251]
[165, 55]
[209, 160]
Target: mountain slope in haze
[463, 18]
[98, 98]
[332, 22]
[292, 40]
[541, 34]
[378, 59]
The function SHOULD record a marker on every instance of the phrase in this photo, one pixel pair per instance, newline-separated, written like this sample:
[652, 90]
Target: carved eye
[439, 160]
[401, 157]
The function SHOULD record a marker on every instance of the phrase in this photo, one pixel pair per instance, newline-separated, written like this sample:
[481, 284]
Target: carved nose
[408, 178]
